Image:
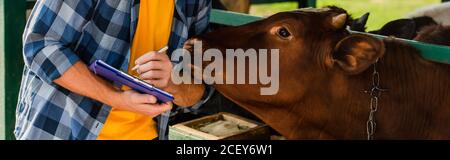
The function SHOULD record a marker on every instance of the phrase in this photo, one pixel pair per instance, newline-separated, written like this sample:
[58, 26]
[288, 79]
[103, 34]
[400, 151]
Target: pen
[162, 50]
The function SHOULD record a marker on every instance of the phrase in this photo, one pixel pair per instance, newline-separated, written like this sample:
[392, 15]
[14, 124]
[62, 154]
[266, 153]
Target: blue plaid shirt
[61, 32]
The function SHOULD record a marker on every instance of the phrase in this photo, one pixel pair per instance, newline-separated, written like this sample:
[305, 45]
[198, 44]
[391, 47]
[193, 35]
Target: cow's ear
[355, 53]
[359, 24]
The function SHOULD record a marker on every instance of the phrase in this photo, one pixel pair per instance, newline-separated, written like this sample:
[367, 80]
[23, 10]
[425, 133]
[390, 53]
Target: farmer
[60, 98]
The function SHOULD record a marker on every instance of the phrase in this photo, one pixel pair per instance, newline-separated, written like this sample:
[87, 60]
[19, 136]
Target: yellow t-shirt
[152, 33]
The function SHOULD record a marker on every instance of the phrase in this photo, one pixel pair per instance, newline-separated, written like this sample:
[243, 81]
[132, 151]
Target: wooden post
[12, 23]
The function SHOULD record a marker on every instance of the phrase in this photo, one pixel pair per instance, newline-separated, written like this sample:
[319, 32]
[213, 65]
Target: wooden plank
[13, 23]
[188, 130]
[196, 134]
[239, 120]
[179, 134]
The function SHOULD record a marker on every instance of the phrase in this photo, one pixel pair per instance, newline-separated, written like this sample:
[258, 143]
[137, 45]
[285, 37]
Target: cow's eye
[283, 33]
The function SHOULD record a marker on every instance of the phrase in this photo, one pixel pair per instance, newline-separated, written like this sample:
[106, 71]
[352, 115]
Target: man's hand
[155, 68]
[80, 80]
[141, 103]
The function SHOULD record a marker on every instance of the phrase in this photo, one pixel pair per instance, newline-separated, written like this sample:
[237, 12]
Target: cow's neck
[416, 89]
[341, 109]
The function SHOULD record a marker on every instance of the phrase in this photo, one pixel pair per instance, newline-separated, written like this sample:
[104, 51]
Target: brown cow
[325, 75]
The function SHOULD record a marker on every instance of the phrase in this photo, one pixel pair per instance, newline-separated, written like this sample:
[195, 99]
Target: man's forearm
[186, 94]
[79, 79]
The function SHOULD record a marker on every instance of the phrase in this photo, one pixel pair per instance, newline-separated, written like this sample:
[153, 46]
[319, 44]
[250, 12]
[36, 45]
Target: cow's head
[314, 48]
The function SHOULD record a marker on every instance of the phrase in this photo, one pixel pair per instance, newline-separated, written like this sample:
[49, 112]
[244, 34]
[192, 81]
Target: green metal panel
[2, 74]
[306, 3]
[231, 18]
[12, 13]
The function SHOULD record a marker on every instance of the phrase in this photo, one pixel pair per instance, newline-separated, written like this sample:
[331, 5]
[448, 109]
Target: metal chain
[375, 93]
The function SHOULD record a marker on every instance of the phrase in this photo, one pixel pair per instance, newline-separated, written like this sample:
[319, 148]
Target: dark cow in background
[325, 74]
[407, 28]
[423, 29]
[435, 34]
[430, 24]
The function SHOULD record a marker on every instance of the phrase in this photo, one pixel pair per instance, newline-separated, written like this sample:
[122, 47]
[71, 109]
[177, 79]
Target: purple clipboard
[101, 68]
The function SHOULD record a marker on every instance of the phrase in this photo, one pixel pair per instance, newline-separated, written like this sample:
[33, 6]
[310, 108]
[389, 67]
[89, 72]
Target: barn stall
[13, 18]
